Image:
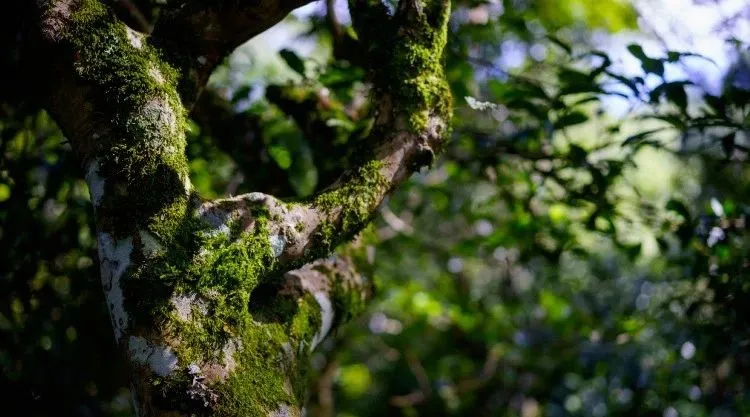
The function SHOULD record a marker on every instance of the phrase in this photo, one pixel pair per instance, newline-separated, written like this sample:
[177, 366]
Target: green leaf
[570, 119]
[574, 82]
[649, 65]
[577, 155]
[654, 66]
[716, 103]
[637, 51]
[293, 61]
[634, 139]
[601, 68]
[680, 208]
[633, 251]
[685, 230]
[674, 56]
[675, 120]
[632, 84]
[281, 155]
[355, 379]
[241, 93]
[556, 307]
[4, 192]
[584, 100]
[674, 92]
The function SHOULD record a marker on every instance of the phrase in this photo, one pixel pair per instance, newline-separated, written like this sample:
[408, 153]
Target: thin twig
[489, 369]
[333, 22]
[395, 222]
[143, 23]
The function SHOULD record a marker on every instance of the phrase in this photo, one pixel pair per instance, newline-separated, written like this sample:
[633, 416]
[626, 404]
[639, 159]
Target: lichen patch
[149, 245]
[183, 305]
[283, 411]
[95, 182]
[228, 353]
[115, 259]
[278, 242]
[55, 19]
[135, 38]
[156, 74]
[188, 186]
[216, 219]
[160, 114]
[327, 314]
[160, 359]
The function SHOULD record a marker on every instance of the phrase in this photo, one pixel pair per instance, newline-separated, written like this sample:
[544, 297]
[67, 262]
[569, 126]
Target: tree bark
[217, 305]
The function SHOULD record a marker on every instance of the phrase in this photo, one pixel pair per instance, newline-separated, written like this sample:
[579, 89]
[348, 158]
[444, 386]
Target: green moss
[143, 147]
[219, 269]
[258, 386]
[413, 75]
[348, 302]
[143, 162]
[218, 273]
[308, 320]
[168, 219]
[272, 367]
[356, 199]
[273, 359]
[304, 326]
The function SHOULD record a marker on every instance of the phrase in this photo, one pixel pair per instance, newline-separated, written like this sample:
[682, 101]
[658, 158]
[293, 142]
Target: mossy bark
[208, 309]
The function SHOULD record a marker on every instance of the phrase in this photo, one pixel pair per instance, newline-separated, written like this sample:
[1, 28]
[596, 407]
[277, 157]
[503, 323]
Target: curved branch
[139, 20]
[412, 123]
[197, 34]
[334, 26]
[290, 318]
[341, 292]
[183, 277]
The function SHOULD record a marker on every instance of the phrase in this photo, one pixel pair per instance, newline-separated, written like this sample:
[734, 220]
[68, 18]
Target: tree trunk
[210, 303]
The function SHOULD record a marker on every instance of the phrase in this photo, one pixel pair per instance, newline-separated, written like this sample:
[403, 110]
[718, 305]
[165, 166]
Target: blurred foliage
[558, 260]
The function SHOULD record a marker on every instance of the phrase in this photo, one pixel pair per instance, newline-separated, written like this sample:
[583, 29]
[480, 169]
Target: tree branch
[140, 21]
[186, 280]
[197, 34]
[413, 115]
[336, 280]
[334, 26]
[292, 316]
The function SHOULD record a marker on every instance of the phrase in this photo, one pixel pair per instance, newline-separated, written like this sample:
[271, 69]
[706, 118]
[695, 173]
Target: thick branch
[413, 115]
[197, 34]
[336, 280]
[184, 278]
[290, 318]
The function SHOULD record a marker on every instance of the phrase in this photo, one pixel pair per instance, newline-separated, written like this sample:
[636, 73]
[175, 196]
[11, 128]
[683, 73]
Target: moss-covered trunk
[211, 305]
